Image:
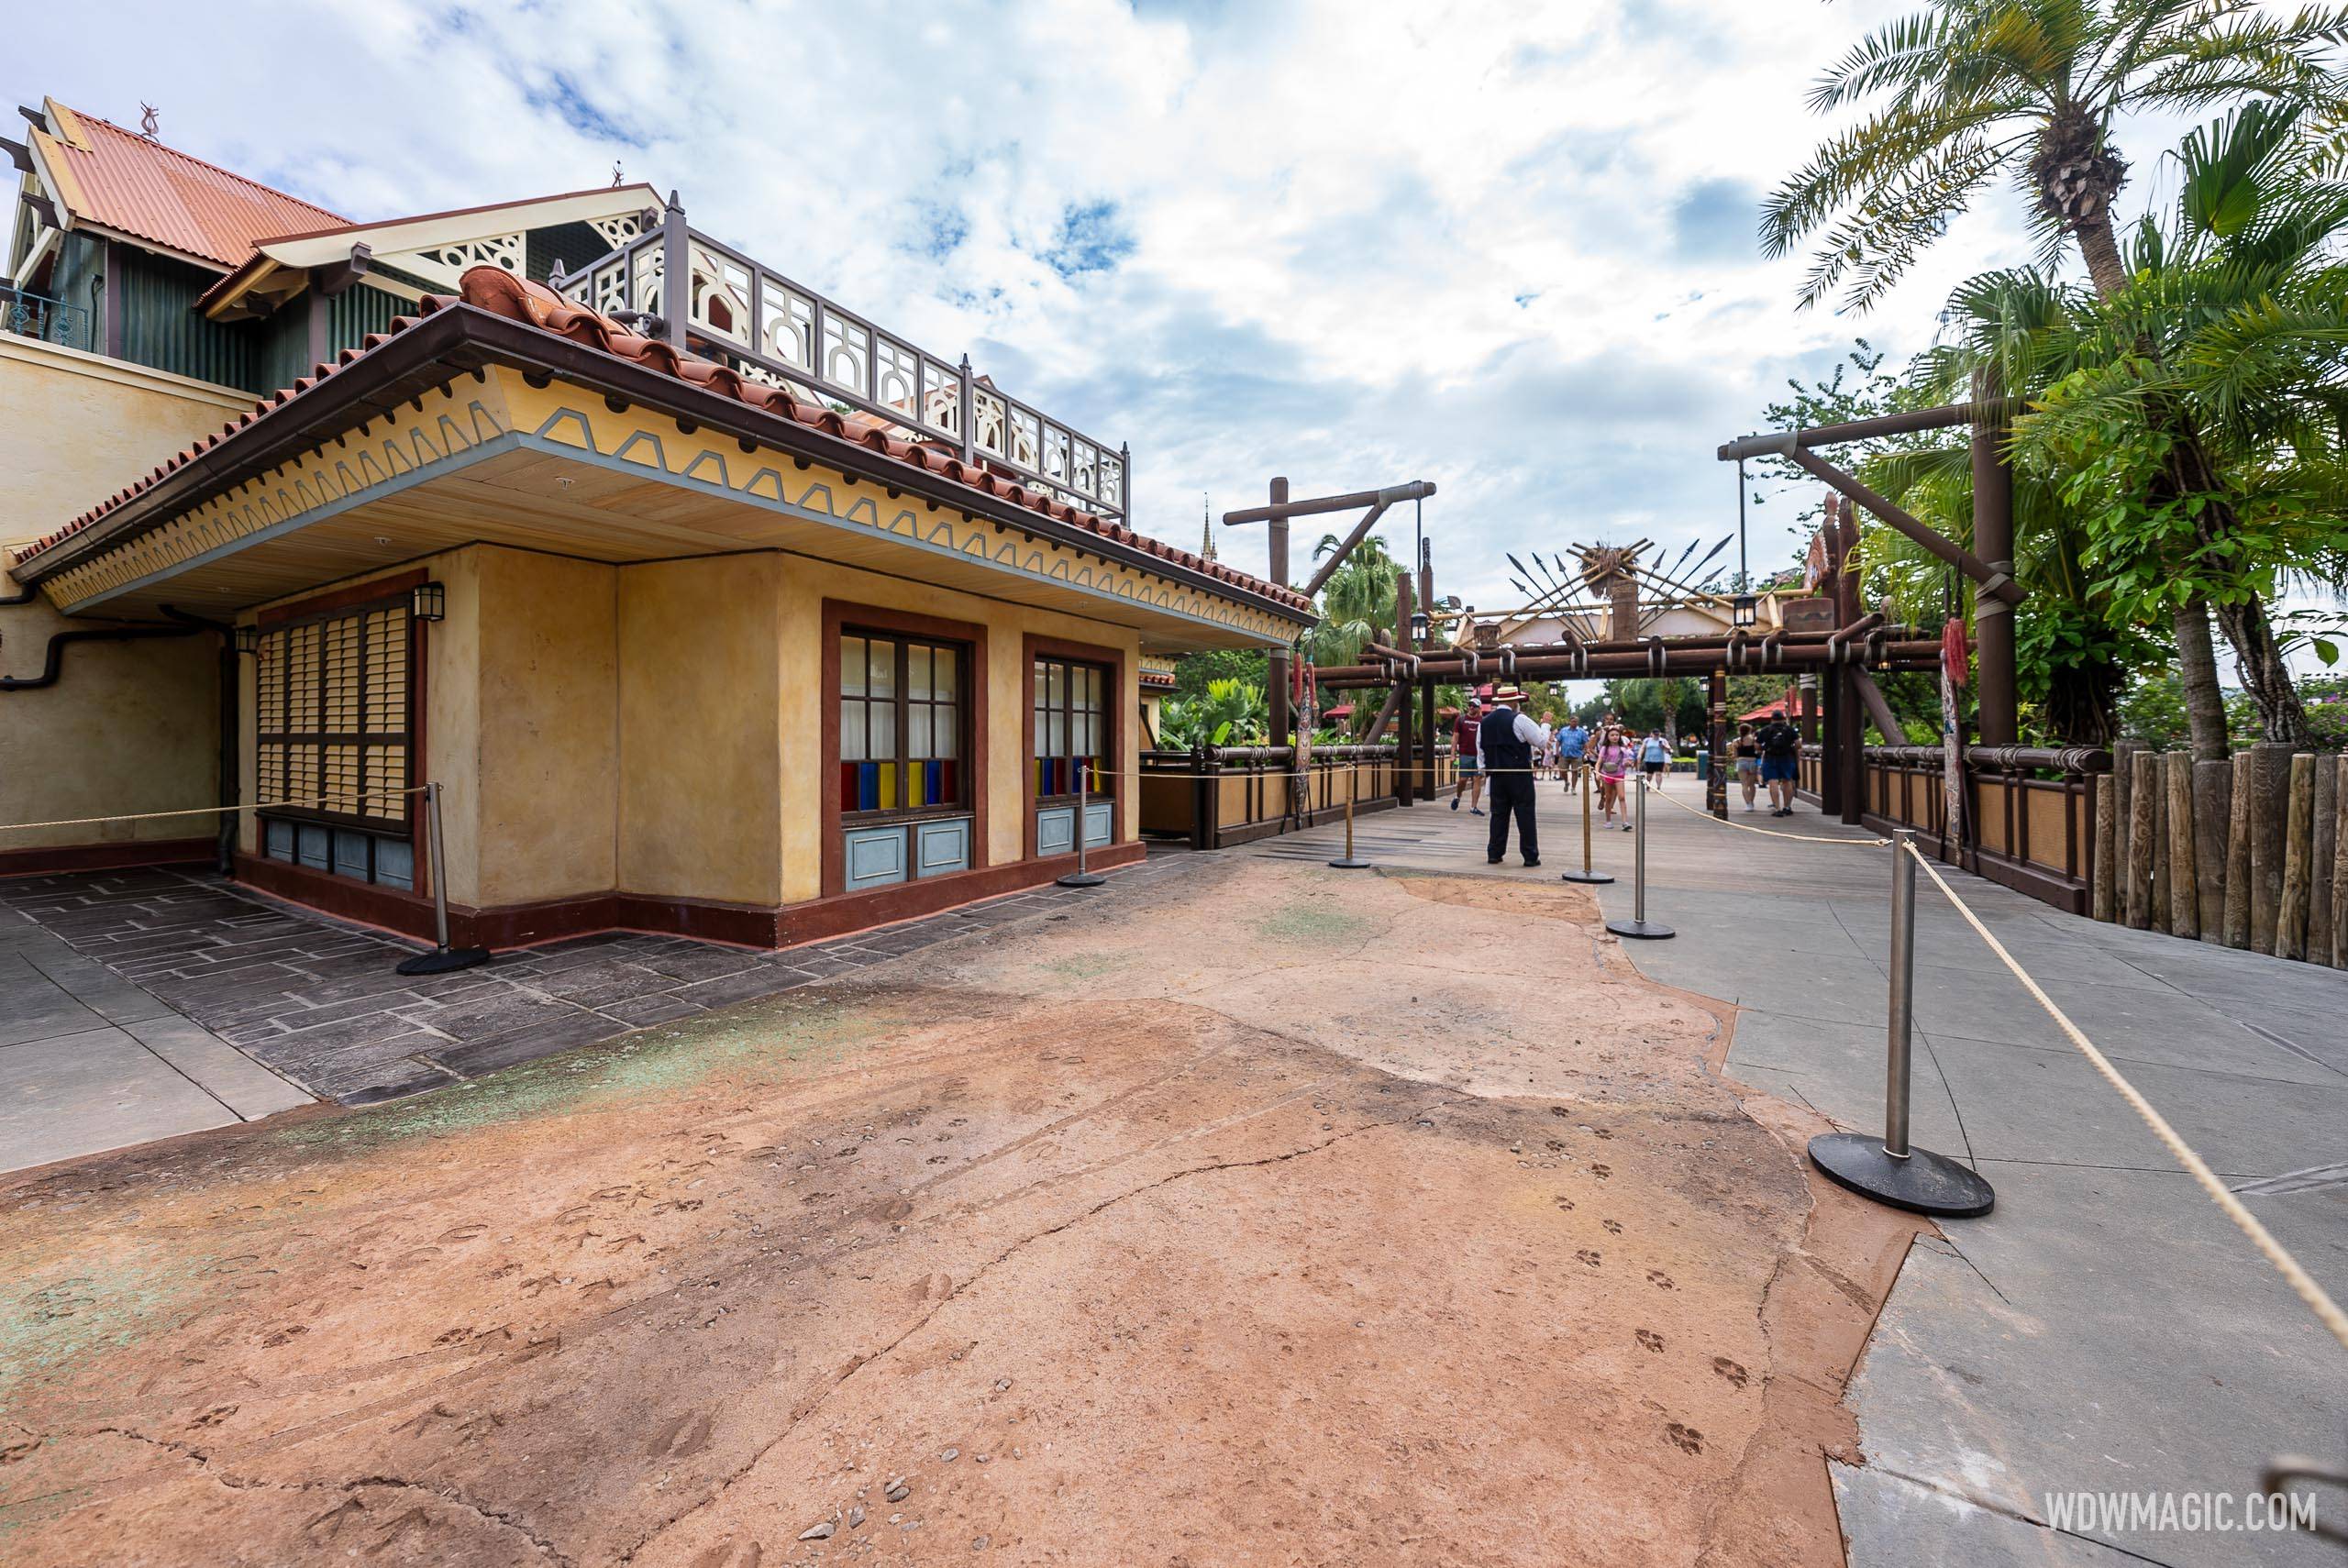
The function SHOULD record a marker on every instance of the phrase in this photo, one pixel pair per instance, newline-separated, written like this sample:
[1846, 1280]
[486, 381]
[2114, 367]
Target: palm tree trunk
[2197, 665]
[2263, 674]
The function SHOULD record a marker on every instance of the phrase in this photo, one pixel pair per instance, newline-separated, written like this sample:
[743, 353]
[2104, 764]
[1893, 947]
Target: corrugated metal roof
[119, 179]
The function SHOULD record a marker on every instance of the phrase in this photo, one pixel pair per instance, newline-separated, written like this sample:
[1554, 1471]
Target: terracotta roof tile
[500, 293]
[140, 187]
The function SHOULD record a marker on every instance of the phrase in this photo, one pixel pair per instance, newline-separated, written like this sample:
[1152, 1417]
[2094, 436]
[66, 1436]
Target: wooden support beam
[2327, 854]
[2184, 891]
[2340, 864]
[2104, 879]
[1931, 540]
[2298, 859]
[2143, 791]
[2270, 799]
[2243, 786]
[2213, 809]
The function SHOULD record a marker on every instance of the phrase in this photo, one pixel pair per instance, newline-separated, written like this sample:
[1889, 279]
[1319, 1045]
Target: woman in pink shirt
[1613, 753]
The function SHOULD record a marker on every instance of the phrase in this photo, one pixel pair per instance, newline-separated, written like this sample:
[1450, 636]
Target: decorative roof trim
[455, 337]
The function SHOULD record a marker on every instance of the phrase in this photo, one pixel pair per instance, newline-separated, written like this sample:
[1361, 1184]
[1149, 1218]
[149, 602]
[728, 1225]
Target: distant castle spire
[1206, 520]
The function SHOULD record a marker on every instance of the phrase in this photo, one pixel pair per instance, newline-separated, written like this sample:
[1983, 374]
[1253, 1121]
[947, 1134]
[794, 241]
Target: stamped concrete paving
[318, 1000]
[2106, 1329]
[89, 1061]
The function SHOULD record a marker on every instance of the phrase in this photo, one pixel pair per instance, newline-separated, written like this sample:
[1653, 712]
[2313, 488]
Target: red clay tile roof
[500, 293]
[140, 187]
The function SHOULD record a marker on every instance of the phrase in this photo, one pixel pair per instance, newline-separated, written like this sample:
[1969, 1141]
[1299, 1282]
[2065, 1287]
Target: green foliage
[1967, 90]
[1228, 713]
[1193, 673]
[1357, 603]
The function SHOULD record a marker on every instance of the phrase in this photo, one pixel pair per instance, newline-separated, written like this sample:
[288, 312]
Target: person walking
[1749, 762]
[1572, 742]
[1464, 742]
[1614, 768]
[1654, 756]
[1781, 745]
[1509, 740]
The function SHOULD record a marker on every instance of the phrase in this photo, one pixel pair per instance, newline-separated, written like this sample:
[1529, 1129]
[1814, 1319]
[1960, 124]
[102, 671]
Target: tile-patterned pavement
[317, 999]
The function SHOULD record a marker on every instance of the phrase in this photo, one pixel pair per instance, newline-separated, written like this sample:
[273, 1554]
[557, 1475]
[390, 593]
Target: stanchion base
[1584, 877]
[1082, 879]
[1352, 864]
[1923, 1183]
[442, 961]
[1643, 930]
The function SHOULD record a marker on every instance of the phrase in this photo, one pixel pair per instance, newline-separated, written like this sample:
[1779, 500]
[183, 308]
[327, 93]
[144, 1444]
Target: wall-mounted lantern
[1744, 610]
[429, 601]
[1418, 625]
[247, 639]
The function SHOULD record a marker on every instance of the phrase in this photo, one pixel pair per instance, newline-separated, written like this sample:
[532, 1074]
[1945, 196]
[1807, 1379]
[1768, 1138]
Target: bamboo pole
[2143, 790]
[2270, 793]
[2339, 865]
[2184, 891]
[2212, 804]
[2105, 876]
[2299, 859]
[2320, 924]
[2240, 788]
[2157, 787]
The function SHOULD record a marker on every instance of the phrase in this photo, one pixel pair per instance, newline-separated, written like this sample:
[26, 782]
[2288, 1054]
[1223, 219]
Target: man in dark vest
[1508, 741]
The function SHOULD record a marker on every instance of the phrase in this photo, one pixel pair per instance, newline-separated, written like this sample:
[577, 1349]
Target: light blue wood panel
[1100, 822]
[1055, 830]
[876, 856]
[943, 846]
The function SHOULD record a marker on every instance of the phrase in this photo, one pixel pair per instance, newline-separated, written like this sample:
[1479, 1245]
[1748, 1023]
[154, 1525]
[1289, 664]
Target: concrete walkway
[2106, 1329]
[90, 1062]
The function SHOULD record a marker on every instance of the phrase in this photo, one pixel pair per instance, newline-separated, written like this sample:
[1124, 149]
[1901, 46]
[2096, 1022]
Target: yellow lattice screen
[333, 721]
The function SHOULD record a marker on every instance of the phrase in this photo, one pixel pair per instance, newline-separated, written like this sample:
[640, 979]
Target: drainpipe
[230, 791]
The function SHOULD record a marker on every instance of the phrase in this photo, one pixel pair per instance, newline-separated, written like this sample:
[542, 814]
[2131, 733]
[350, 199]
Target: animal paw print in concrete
[1601, 1171]
[1613, 1227]
[1589, 1257]
[1565, 1202]
[1687, 1440]
[1660, 1280]
[1736, 1374]
[1650, 1342]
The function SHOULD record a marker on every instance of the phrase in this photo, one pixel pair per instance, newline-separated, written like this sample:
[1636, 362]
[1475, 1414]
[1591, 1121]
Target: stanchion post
[1353, 776]
[1585, 874]
[1080, 876]
[1889, 1169]
[443, 960]
[1638, 925]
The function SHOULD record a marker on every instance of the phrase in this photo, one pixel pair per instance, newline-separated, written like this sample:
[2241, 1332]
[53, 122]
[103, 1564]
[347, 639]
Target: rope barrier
[214, 811]
[2302, 1283]
[1774, 833]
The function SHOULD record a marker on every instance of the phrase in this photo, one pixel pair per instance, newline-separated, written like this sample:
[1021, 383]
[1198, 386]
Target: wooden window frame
[902, 703]
[322, 612]
[1105, 715]
[1031, 648]
[839, 617]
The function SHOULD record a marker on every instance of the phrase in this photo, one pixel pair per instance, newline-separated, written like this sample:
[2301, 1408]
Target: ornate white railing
[772, 329]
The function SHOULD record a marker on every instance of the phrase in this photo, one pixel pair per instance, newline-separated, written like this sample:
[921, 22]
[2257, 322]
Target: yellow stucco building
[751, 622]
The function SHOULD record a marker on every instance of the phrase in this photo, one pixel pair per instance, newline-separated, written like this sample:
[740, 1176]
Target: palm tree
[1357, 603]
[2235, 327]
[1976, 88]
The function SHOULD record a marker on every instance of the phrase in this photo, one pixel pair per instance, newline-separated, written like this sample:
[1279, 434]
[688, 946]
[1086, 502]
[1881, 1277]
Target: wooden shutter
[333, 717]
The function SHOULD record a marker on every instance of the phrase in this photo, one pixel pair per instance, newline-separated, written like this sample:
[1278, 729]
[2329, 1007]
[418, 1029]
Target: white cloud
[1503, 246]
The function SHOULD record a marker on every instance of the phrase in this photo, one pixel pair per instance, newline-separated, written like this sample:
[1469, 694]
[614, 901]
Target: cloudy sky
[1505, 247]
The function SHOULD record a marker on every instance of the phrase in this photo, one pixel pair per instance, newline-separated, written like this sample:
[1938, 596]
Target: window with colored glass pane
[901, 725]
[1069, 708]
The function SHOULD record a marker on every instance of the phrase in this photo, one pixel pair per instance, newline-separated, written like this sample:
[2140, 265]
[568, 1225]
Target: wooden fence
[2251, 852]
[1219, 796]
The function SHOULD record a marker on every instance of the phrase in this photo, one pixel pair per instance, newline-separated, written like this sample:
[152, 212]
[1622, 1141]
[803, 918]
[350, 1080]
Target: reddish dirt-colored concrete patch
[1277, 1217]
